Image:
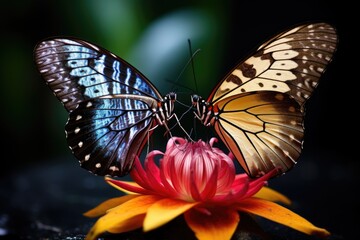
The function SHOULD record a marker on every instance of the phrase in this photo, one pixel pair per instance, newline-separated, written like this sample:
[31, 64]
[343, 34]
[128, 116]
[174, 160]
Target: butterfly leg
[161, 120]
[179, 124]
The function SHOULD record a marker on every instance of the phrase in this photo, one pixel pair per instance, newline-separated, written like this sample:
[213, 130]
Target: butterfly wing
[110, 103]
[76, 70]
[291, 62]
[262, 131]
[106, 134]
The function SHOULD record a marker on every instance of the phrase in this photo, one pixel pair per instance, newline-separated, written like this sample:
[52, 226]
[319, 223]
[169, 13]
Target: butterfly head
[203, 110]
[167, 105]
[196, 99]
[171, 96]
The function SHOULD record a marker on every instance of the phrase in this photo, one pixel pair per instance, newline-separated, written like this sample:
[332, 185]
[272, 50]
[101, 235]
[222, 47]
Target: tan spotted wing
[257, 109]
[291, 62]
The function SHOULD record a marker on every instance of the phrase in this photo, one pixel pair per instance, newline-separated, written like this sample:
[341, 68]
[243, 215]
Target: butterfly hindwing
[291, 62]
[263, 130]
[101, 131]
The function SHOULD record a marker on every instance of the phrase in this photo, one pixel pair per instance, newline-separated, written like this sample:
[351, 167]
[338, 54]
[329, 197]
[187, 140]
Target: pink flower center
[197, 170]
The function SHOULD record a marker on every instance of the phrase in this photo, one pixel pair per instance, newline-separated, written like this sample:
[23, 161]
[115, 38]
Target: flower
[199, 181]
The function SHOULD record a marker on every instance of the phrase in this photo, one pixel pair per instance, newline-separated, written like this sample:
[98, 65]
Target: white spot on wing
[114, 168]
[284, 64]
[89, 104]
[286, 54]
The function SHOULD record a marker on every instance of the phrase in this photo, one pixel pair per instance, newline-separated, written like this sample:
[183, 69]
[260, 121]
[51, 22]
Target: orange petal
[164, 211]
[214, 223]
[133, 184]
[279, 214]
[116, 219]
[272, 195]
[128, 225]
[108, 204]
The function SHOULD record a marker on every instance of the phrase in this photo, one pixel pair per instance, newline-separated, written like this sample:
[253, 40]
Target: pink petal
[139, 175]
[153, 173]
[211, 186]
[168, 188]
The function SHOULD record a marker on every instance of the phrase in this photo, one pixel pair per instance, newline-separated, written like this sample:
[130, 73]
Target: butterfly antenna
[189, 108]
[193, 130]
[192, 63]
[179, 124]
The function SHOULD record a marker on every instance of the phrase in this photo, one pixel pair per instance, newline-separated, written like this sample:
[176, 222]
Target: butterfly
[257, 109]
[112, 107]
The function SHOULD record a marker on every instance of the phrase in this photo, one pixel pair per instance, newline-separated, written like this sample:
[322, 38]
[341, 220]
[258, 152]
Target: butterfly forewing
[292, 63]
[76, 70]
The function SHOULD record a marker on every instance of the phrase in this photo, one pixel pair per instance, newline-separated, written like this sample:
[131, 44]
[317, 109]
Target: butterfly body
[258, 108]
[112, 107]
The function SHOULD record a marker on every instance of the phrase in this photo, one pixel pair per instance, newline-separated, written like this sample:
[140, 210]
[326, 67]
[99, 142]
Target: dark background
[42, 185]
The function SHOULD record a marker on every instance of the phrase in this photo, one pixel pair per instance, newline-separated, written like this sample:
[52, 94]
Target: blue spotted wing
[111, 104]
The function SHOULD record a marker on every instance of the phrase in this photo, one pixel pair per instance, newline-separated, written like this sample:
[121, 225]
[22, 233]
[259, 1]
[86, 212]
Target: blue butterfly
[112, 107]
